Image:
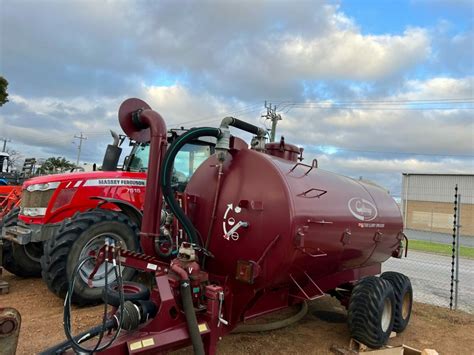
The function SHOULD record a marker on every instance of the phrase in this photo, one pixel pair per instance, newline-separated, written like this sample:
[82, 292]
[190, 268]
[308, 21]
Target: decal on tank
[362, 209]
[230, 222]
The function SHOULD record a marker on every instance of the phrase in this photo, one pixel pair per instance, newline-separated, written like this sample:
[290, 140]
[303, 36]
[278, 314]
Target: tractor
[262, 230]
[64, 217]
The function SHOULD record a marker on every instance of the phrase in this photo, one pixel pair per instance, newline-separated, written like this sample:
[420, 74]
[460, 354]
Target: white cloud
[347, 54]
[439, 88]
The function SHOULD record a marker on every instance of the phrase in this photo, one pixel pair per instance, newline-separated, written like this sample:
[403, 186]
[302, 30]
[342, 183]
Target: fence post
[453, 255]
[458, 227]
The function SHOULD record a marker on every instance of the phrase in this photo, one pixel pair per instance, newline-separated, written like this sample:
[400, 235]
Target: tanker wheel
[372, 311]
[21, 260]
[132, 291]
[403, 298]
[77, 237]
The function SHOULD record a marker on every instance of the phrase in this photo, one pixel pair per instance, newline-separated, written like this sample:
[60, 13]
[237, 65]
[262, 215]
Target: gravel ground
[430, 327]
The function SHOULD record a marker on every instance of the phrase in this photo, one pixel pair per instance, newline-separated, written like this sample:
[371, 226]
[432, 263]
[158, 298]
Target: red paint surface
[80, 197]
[271, 201]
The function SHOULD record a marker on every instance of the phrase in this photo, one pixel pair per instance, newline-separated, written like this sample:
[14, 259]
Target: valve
[232, 232]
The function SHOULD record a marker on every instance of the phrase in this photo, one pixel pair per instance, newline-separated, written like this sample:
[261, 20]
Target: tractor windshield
[139, 158]
[187, 160]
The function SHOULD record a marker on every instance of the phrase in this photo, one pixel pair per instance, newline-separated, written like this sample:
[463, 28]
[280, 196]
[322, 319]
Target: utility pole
[272, 116]
[81, 137]
[5, 141]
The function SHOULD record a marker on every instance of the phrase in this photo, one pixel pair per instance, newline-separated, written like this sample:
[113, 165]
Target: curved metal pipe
[153, 195]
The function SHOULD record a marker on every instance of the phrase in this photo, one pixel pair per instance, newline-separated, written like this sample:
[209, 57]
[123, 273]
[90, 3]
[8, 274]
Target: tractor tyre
[84, 233]
[403, 298]
[20, 260]
[372, 311]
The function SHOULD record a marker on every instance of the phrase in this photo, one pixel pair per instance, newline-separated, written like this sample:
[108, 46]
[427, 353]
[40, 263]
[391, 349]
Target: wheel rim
[33, 251]
[386, 315]
[94, 245]
[406, 305]
[129, 289]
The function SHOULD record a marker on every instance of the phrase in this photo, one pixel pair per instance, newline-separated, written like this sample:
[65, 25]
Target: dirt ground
[430, 327]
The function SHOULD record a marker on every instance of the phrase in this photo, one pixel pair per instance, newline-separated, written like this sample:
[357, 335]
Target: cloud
[227, 48]
[439, 88]
[71, 64]
[353, 56]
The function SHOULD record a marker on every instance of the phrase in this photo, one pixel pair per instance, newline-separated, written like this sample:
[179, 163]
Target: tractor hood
[82, 177]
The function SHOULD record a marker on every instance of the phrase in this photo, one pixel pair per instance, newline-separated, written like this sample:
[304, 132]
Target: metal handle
[234, 229]
[313, 165]
[321, 253]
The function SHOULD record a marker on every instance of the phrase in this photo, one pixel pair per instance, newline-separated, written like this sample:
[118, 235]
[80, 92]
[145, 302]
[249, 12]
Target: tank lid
[282, 146]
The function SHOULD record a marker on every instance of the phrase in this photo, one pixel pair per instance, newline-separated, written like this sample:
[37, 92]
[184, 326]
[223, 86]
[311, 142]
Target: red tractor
[262, 230]
[64, 217]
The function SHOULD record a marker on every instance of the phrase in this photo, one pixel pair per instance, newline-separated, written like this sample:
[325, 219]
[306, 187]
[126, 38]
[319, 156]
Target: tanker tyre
[74, 240]
[371, 311]
[20, 260]
[403, 298]
[132, 291]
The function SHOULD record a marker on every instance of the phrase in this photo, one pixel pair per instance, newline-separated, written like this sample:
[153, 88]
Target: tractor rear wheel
[403, 298]
[372, 311]
[21, 260]
[84, 233]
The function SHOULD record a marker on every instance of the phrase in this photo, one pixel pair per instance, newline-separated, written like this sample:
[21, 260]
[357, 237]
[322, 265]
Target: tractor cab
[187, 160]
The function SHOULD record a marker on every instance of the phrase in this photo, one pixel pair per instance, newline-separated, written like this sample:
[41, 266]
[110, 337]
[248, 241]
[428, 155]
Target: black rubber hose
[245, 126]
[253, 328]
[167, 173]
[191, 319]
[88, 334]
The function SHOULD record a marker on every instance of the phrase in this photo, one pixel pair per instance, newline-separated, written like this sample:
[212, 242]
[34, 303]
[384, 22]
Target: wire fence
[433, 275]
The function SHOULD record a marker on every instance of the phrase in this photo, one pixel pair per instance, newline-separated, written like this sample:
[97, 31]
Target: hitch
[10, 321]
[110, 253]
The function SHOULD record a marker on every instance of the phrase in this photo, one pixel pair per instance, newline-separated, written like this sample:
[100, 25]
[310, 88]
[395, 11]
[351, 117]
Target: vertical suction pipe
[153, 195]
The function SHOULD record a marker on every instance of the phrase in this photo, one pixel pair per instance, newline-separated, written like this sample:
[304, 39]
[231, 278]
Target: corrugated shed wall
[437, 188]
[428, 202]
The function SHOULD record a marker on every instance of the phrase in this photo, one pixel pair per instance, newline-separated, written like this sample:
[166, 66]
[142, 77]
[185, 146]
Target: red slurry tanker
[263, 231]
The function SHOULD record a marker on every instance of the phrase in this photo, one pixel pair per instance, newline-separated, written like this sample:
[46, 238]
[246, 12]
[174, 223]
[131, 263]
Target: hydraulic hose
[74, 342]
[167, 173]
[82, 337]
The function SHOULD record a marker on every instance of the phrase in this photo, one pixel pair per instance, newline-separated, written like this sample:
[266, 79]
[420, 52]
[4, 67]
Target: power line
[400, 153]
[384, 105]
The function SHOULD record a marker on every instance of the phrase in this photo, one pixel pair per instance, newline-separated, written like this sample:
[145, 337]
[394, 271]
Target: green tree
[3, 91]
[55, 165]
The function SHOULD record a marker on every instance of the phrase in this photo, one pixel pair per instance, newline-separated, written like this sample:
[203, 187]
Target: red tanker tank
[291, 223]
[260, 231]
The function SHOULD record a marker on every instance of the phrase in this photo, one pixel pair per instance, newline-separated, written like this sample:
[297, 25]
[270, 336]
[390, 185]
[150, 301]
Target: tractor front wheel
[76, 239]
[20, 260]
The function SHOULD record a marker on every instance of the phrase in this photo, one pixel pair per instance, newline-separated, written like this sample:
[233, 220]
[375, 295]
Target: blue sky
[369, 88]
[394, 16]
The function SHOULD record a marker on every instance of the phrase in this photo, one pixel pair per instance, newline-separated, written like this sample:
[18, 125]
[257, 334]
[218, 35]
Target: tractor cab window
[139, 158]
[186, 162]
